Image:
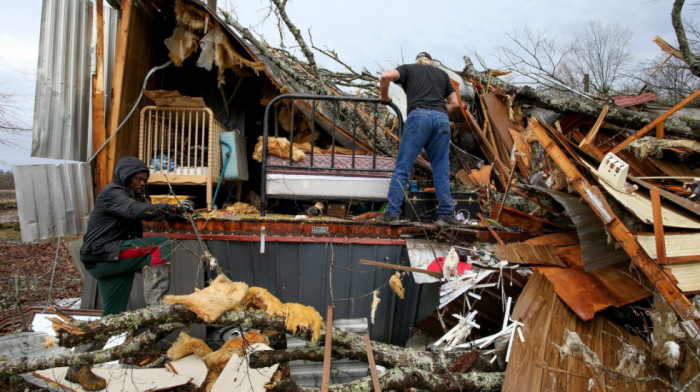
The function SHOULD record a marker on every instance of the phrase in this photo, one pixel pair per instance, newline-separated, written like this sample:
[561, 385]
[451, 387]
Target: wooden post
[117, 87]
[372, 366]
[657, 120]
[588, 140]
[99, 131]
[658, 226]
[660, 130]
[326, 378]
[592, 195]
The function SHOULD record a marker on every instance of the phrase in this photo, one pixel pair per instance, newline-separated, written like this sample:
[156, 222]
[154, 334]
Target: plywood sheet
[523, 253]
[119, 380]
[677, 245]
[589, 292]
[536, 365]
[639, 203]
[687, 276]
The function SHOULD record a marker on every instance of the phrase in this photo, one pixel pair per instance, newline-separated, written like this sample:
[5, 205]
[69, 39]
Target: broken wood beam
[666, 47]
[400, 268]
[372, 365]
[660, 130]
[592, 195]
[658, 226]
[483, 220]
[326, 377]
[588, 140]
[657, 120]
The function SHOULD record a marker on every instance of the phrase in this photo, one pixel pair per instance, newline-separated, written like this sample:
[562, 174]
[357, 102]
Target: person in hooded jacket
[114, 248]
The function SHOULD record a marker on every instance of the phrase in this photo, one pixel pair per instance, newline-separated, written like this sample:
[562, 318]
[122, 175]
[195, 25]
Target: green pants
[115, 278]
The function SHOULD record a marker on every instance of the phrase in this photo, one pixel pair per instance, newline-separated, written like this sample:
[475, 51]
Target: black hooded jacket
[117, 215]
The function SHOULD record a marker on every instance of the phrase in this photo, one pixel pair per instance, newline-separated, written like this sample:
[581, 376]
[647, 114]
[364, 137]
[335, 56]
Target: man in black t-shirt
[430, 98]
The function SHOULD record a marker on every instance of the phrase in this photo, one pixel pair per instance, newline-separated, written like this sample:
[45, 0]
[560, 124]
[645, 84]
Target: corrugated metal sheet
[63, 85]
[53, 200]
[300, 272]
[597, 252]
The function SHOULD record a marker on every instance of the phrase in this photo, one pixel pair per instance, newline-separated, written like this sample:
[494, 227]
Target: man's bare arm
[452, 102]
[388, 76]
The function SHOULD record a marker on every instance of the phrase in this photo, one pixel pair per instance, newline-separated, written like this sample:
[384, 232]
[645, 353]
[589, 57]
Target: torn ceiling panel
[597, 252]
[677, 245]
[687, 277]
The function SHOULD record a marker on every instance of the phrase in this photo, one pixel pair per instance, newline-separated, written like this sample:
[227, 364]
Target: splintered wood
[521, 253]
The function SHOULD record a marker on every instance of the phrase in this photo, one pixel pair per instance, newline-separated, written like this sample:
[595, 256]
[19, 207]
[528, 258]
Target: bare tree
[672, 82]
[535, 59]
[10, 123]
[602, 52]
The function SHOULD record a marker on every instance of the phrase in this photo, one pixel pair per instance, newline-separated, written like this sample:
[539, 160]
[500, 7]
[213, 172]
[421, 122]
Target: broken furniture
[361, 174]
[181, 146]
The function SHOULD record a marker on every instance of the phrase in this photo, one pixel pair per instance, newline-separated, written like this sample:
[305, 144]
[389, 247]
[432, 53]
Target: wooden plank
[657, 120]
[535, 224]
[400, 268]
[490, 229]
[553, 380]
[372, 365]
[588, 140]
[658, 226]
[679, 302]
[328, 347]
[509, 182]
[118, 71]
[534, 310]
[500, 121]
[99, 131]
[490, 151]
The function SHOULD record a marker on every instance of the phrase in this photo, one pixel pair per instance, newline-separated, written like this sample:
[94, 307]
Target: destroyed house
[567, 215]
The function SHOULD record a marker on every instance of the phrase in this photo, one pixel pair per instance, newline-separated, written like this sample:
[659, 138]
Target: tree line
[7, 180]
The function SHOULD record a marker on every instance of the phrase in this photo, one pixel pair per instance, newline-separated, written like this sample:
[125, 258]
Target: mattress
[334, 165]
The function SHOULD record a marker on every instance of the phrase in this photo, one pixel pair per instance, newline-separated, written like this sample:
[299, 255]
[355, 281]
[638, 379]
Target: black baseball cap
[424, 54]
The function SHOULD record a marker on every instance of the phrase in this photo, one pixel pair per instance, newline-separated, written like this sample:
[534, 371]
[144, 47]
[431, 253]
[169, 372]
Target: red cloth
[154, 251]
[437, 265]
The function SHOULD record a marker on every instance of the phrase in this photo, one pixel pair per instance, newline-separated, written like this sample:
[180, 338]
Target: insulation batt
[186, 345]
[210, 303]
[277, 146]
[395, 283]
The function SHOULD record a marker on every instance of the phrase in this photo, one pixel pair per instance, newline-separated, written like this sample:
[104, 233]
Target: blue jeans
[429, 129]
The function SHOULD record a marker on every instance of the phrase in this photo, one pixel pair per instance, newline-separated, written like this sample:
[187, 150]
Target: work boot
[86, 378]
[156, 281]
[390, 219]
[448, 221]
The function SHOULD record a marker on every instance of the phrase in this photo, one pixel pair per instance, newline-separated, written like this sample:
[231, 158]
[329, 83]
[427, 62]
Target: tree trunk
[622, 117]
[403, 378]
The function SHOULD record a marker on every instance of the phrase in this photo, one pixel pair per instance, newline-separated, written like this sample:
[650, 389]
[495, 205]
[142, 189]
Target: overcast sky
[376, 35]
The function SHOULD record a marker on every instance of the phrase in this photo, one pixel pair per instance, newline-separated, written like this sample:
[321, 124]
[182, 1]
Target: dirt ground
[26, 270]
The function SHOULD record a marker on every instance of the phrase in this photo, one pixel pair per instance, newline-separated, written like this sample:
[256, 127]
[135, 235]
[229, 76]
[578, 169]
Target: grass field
[7, 194]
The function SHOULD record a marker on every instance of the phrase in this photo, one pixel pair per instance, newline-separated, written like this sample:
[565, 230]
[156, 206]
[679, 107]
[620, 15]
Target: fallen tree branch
[130, 347]
[626, 118]
[346, 344]
[405, 377]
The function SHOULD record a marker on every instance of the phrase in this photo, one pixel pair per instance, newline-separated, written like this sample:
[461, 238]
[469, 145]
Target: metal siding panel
[53, 200]
[63, 93]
